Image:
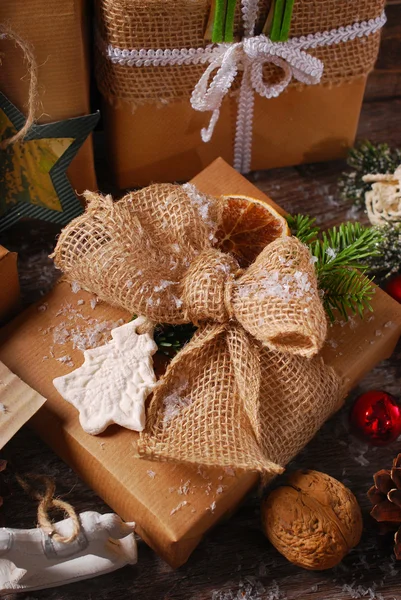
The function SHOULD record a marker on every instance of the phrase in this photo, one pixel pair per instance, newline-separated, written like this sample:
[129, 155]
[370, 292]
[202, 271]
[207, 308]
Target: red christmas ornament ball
[393, 288]
[376, 418]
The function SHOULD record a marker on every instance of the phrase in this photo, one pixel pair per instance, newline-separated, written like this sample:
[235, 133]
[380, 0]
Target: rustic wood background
[235, 561]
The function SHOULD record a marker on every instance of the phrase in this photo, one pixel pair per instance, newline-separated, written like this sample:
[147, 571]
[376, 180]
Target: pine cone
[386, 497]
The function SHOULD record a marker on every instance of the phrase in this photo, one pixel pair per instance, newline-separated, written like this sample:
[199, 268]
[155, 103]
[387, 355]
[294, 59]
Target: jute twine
[33, 97]
[248, 391]
[176, 24]
[48, 502]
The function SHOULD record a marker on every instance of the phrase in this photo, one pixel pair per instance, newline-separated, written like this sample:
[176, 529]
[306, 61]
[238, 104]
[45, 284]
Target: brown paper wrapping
[9, 284]
[18, 402]
[163, 143]
[149, 492]
[58, 34]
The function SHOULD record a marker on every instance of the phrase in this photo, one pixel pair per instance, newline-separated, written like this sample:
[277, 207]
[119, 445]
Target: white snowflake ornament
[114, 381]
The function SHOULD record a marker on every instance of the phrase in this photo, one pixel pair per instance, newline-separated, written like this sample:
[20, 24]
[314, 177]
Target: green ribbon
[223, 23]
[281, 23]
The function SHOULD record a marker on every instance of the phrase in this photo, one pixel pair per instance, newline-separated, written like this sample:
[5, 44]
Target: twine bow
[247, 391]
[250, 55]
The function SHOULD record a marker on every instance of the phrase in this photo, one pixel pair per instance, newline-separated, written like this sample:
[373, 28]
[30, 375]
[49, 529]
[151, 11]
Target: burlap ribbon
[248, 391]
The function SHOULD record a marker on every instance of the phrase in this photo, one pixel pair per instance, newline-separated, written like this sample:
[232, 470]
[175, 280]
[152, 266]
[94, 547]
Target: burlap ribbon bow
[247, 391]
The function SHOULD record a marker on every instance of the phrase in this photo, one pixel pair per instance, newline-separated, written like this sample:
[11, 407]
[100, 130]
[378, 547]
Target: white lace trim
[249, 55]
[190, 56]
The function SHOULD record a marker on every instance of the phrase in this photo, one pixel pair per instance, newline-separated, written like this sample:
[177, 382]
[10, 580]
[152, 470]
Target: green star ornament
[33, 179]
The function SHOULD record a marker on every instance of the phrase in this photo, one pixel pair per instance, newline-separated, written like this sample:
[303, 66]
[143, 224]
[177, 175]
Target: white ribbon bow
[250, 55]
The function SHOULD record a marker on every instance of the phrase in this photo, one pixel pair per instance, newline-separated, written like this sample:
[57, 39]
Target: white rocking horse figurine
[31, 560]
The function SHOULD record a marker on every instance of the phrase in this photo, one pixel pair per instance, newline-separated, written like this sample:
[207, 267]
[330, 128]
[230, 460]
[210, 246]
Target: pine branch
[346, 290]
[350, 245]
[303, 227]
[342, 255]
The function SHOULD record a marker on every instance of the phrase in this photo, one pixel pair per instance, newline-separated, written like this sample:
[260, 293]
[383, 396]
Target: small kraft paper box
[173, 504]
[18, 402]
[58, 37]
[270, 104]
[9, 284]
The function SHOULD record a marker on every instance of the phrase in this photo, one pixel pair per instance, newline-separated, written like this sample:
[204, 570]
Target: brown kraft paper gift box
[58, 34]
[172, 504]
[154, 133]
[9, 284]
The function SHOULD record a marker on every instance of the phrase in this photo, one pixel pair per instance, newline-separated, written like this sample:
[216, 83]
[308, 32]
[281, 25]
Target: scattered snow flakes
[279, 285]
[164, 284]
[331, 253]
[357, 452]
[332, 343]
[174, 402]
[202, 203]
[361, 592]
[378, 333]
[43, 307]
[178, 507]
[250, 589]
[220, 489]
[75, 287]
[3, 408]
[129, 284]
[81, 302]
[212, 507]
[151, 474]
[184, 488]
[388, 324]
[93, 302]
[66, 360]
[229, 471]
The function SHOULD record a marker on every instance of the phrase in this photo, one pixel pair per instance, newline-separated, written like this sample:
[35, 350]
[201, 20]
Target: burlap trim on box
[169, 24]
[248, 391]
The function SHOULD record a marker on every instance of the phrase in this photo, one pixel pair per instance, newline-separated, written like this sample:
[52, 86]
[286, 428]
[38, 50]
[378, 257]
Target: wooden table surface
[235, 560]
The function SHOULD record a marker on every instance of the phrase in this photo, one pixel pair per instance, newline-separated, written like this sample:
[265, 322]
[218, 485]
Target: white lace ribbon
[249, 56]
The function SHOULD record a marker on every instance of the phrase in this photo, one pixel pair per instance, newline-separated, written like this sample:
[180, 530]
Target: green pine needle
[350, 245]
[342, 255]
[346, 290]
[303, 227]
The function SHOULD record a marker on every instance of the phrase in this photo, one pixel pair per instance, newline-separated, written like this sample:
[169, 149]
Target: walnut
[314, 520]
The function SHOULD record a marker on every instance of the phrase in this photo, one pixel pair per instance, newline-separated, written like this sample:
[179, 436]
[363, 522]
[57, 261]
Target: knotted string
[48, 502]
[33, 97]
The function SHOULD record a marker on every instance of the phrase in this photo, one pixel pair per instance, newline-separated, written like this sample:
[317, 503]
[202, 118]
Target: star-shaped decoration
[33, 179]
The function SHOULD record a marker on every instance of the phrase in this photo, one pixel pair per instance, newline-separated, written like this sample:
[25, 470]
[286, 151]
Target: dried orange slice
[248, 225]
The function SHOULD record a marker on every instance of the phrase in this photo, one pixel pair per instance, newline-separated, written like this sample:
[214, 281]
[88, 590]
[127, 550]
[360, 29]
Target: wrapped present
[18, 402]
[59, 43]
[175, 503]
[9, 284]
[159, 76]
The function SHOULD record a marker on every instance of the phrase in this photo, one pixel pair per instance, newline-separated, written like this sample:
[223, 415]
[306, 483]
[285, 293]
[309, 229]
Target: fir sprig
[342, 255]
[303, 227]
[363, 159]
